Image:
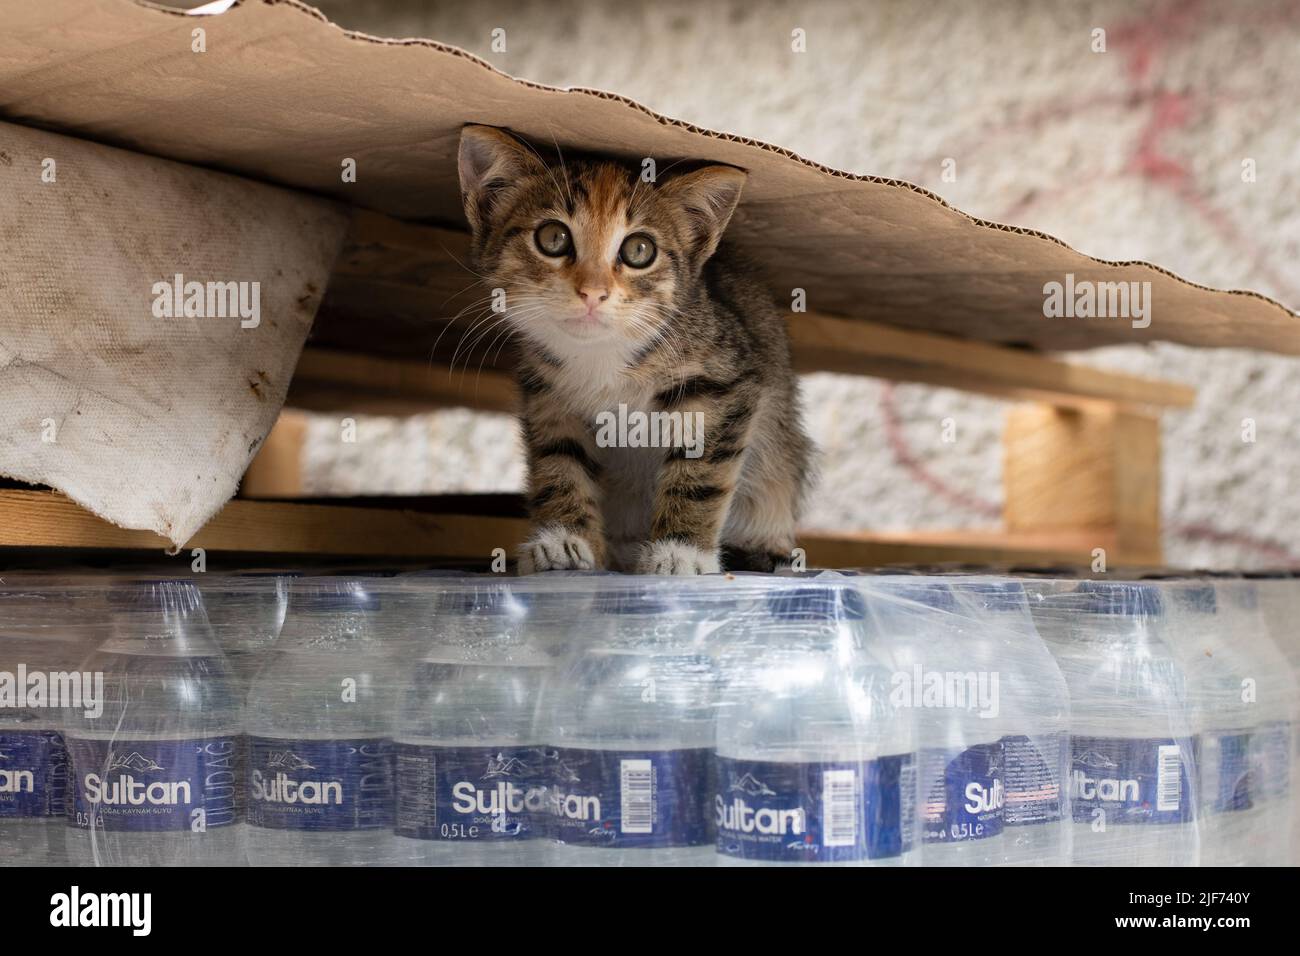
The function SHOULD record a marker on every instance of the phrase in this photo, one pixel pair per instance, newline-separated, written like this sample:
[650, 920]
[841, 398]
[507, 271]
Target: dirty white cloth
[145, 418]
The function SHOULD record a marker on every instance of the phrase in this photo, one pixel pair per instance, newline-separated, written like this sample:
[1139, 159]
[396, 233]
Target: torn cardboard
[281, 94]
[151, 315]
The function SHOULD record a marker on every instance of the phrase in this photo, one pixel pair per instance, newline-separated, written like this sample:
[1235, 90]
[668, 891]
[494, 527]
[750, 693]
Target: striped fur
[694, 331]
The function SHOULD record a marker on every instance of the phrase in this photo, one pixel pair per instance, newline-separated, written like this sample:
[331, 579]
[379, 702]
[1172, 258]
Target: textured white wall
[1131, 153]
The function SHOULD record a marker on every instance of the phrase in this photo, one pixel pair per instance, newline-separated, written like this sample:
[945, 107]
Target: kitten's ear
[708, 197]
[490, 159]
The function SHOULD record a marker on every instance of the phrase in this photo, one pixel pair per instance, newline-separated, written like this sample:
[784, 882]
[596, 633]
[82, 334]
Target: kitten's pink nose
[592, 297]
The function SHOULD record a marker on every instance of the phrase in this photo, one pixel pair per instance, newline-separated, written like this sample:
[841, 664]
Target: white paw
[676, 557]
[555, 549]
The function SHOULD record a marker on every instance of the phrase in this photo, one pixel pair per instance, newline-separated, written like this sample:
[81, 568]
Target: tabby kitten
[623, 297]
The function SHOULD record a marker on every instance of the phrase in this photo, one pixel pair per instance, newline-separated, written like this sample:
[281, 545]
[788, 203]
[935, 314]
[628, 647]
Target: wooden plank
[416, 275]
[46, 519]
[824, 343]
[1067, 470]
[329, 380]
[838, 549]
[41, 519]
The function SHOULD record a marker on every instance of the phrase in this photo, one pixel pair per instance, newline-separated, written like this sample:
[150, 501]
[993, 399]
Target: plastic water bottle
[155, 774]
[628, 723]
[1269, 689]
[1214, 671]
[246, 611]
[319, 784]
[43, 633]
[950, 680]
[1035, 702]
[557, 601]
[1279, 605]
[469, 768]
[813, 765]
[1132, 747]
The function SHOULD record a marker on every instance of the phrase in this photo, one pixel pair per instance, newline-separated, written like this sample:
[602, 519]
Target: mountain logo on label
[995, 763]
[288, 760]
[502, 766]
[1094, 758]
[751, 786]
[564, 773]
[133, 761]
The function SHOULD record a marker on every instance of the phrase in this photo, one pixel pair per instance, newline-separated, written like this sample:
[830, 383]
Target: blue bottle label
[1131, 781]
[320, 784]
[628, 799]
[1226, 770]
[33, 774]
[1271, 760]
[151, 785]
[964, 793]
[469, 793]
[815, 812]
[1032, 772]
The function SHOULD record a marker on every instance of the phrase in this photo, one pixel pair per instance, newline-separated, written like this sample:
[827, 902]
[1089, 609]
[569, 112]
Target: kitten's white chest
[596, 382]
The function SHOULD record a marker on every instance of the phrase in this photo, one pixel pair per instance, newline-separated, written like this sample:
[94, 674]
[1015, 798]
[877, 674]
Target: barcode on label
[839, 808]
[1169, 778]
[637, 792]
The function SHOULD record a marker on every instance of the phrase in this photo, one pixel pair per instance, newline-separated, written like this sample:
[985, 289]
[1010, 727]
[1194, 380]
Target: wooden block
[276, 471]
[1094, 470]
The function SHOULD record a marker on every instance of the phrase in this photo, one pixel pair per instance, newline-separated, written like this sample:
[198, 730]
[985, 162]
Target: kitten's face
[588, 254]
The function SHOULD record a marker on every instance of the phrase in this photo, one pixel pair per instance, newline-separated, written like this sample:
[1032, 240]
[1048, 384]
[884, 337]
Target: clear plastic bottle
[557, 600]
[246, 611]
[1036, 704]
[1279, 604]
[950, 681]
[813, 765]
[43, 637]
[628, 722]
[1214, 671]
[155, 775]
[1269, 690]
[319, 784]
[469, 783]
[1132, 746]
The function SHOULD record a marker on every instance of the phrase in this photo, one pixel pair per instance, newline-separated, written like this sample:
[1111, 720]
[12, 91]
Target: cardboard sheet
[282, 95]
[128, 378]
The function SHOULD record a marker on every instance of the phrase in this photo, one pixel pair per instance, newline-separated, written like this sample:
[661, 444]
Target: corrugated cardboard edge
[752, 144]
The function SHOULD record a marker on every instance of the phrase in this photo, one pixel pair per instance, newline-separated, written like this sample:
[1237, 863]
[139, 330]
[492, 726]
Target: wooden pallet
[1082, 450]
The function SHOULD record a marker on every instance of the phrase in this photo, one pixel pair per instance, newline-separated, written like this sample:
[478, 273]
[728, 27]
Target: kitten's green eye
[553, 238]
[638, 250]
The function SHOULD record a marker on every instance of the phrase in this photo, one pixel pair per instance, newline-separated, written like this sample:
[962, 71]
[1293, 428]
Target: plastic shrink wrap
[286, 718]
